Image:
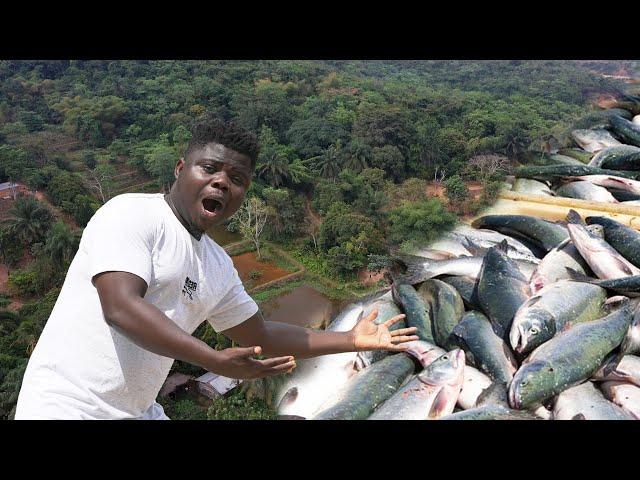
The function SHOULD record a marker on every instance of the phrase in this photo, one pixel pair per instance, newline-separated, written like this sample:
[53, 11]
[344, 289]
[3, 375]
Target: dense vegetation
[348, 149]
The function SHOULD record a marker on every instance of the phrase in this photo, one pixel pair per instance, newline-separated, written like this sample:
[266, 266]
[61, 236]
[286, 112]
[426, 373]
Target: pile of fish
[604, 168]
[519, 318]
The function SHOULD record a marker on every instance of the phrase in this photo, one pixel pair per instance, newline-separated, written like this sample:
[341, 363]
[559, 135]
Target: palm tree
[298, 172]
[515, 144]
[357, 157]
[329, 163]
[274, 168]
[30, 220]
[62, 243]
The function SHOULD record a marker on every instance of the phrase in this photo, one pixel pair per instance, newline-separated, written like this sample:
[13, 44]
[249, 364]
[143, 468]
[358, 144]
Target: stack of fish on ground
[604, 168]
[519, 318]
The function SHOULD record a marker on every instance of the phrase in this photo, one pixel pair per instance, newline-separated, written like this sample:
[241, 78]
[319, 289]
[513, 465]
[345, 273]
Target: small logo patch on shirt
[189, 288]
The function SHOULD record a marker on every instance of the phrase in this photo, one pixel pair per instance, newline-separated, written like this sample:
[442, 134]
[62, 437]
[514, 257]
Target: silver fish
[603, 259]
[586, 402]
[624, 394]
[586, 191]
[430, 395]
[533, 187]
[611, 181]
[594, 140]
[474, 381]
[314, 379]
[553, 266]
[625, 369]
[419, 271]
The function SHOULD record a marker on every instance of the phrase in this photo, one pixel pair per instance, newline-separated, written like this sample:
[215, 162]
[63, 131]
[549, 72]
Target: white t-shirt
[83, 368]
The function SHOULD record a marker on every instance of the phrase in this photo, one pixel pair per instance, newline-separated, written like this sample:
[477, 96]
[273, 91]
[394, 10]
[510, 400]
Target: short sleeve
[234, 308]
[120, 237]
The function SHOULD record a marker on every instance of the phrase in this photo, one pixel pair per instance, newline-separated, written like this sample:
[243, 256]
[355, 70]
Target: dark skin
[210, 187]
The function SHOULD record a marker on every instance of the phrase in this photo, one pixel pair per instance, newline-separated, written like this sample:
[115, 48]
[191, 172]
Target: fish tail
[414, 274]
[580, 277]
[574, 217]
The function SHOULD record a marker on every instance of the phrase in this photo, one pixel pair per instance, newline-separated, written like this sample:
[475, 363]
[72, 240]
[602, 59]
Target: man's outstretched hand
[367, 335]
[239, 363]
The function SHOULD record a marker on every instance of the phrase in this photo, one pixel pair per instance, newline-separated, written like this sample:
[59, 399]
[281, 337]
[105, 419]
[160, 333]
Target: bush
[11, 249]
[184, 409]
[237, 407]
[24, 282]
[255, 274]
[89, 159]
[420, 222]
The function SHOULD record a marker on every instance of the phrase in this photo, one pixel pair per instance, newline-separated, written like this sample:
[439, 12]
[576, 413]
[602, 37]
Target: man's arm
[125, 309]
[281, 338]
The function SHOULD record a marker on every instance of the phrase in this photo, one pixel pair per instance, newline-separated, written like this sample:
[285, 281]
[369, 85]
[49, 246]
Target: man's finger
[279, 369]
[394, 320]
[273, 362]
[250, 351]
[372, 316]
[403, 331]
[405, 338]
[396, 348]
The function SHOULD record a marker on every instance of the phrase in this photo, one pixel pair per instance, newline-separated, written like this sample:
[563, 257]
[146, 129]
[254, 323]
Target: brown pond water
[222, 236]
[246, 263]
[303, 306]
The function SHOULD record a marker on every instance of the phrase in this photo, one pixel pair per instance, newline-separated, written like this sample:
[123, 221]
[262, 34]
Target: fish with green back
[568, 359]
[502, 288]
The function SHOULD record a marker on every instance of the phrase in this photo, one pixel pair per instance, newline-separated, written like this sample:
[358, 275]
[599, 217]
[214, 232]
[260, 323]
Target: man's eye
[237, 180]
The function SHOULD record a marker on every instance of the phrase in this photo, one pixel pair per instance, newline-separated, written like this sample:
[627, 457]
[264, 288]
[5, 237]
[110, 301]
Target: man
[145, 277]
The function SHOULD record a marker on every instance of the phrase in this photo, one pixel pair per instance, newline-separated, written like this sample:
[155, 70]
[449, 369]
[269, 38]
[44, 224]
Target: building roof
[7, 185]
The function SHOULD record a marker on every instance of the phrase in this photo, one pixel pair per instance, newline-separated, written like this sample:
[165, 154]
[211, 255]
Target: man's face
[211, 185]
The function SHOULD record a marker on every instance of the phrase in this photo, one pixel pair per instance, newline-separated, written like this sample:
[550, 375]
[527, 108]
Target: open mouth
[212, 206]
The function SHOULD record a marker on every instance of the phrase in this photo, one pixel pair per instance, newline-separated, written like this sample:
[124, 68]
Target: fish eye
[524, 383]
[445, 357]
[534, 330]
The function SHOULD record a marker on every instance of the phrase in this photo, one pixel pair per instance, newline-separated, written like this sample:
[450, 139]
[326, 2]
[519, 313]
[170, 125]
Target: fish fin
[579, 416]
[579, 277]
[503, 246]
[439, 405]
[624, 266]
[289, 397]
[574, 217]
[361, 362]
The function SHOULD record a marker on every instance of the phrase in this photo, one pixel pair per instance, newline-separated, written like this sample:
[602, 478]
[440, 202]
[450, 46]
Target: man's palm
[371, 336]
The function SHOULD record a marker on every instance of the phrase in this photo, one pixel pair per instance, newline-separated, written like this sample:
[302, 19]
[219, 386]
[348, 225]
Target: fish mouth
[514, 397]
[458, 358]
[517, 339]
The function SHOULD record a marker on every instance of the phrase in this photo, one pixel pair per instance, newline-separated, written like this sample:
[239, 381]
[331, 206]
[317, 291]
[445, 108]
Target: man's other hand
[239, 363]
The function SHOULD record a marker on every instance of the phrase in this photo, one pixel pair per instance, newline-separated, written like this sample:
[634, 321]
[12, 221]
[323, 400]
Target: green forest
[349, 149]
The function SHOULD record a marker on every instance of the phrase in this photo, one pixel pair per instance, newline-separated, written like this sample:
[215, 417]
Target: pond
[222, 236]
[303, 306]
[247, 263]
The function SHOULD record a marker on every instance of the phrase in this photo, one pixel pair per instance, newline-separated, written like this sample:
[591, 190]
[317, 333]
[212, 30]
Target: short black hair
[211, 128]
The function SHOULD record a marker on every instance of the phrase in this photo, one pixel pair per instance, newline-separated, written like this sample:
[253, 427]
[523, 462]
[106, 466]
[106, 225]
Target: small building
[11, 189]
[213, 386]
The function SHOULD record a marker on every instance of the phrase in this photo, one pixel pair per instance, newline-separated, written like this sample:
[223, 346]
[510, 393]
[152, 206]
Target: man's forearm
[284, 339]
[149, 328]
